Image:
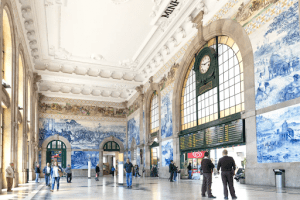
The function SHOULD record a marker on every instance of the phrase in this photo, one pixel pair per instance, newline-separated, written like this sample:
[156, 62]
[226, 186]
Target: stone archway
[44, 148]
[109, 139]
[220, 27]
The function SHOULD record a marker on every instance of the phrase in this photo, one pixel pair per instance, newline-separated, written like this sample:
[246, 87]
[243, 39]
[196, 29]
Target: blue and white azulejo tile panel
[276, 56]
[79, 159]
[81, 134]
[133, 128]
[167, 152]
[166, 115]
[278, 135]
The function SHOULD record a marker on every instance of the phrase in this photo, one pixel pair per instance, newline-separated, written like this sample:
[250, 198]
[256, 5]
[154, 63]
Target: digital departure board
[223, 134]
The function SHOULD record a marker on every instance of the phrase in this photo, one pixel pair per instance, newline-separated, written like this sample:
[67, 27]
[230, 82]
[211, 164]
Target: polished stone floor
[143, 189]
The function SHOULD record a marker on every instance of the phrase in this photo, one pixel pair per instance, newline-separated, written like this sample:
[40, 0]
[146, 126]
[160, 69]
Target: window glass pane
[232, 81]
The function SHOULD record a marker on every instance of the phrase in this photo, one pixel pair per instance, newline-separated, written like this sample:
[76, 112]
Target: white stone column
[101, 162]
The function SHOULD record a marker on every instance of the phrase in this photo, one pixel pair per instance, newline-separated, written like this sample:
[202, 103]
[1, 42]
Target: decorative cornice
[80, 102]
[88, 118]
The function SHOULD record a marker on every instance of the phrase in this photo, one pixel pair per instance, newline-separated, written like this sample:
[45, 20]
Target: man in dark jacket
[189, 167]
[171, 170]
[227, 164]
[68, 170]
[128, 168]
[47, 171]
[207, 167]
[37, 173]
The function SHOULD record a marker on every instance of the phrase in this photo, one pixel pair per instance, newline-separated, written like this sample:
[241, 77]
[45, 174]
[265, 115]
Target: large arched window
[154, 117]
[221, 101]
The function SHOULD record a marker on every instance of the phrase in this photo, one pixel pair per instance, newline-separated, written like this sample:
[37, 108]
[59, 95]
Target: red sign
[196, 154]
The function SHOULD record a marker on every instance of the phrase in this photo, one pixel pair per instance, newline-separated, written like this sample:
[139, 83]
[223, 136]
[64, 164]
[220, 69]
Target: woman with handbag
[56, 173]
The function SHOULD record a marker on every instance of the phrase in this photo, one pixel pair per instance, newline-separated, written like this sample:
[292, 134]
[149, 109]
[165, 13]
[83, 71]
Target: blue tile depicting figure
[278, 135]
[81, 134]
[80, 159]
[276, 56]
[133, 128]
[166, 115]
[167, 152]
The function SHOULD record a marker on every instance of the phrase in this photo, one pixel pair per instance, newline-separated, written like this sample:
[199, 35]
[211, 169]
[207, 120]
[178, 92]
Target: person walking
[37, 173]
[10, 174]
[137, 169]
[55, 175]
[227, 165]
[46, 171]
[175, 171]
[128, 168]
[171, 170]
[190, 170]
[113, 171]
[97, 172]
[68, 170]
[207, 167]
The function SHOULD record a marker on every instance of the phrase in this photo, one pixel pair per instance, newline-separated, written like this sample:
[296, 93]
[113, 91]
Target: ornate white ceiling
[103, 49]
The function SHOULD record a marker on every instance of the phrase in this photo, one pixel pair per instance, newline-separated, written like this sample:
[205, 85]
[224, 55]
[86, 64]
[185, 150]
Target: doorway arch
[60, 138]
[56, 152]
[101, 149]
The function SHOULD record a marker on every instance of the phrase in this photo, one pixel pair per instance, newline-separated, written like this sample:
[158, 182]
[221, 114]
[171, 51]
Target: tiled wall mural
[133, 129]
[80, 159]
[278, 135]
[81, 134]
[167, 152]
[166, 115]
[83, 110]
[276, 55]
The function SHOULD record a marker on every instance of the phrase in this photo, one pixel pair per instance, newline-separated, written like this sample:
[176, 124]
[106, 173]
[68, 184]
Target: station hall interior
[90, 84]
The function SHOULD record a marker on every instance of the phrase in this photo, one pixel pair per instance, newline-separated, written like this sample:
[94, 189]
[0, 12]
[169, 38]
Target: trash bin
[279, 179]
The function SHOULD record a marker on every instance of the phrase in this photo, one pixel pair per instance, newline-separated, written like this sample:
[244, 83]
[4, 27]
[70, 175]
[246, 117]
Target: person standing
[190, 170]
[227, 165]
[97, 172]
[37, 173]
[113, 171]
[68, 170]
[10, 174]
[175, 171]
[128, 168]
[171, 170]
[46, 171]
[207, 167]
[55, 175]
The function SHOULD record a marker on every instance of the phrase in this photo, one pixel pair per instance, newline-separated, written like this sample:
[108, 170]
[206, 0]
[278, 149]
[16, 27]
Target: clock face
[204, 64]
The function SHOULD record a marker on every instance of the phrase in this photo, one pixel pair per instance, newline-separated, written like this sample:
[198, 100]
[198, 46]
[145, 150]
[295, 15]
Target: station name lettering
[170, 9]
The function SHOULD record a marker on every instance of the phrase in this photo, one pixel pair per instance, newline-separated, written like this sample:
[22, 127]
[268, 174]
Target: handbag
[60, 173]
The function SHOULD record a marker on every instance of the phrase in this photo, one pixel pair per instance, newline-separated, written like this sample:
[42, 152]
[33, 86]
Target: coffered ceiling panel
[103, 49]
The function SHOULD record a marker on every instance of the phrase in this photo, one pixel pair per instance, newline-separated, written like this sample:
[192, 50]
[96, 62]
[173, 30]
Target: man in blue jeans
[128, 168]
[47, 171]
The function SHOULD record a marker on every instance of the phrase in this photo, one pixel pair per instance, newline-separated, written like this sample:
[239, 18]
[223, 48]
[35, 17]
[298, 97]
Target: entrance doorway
[154, 159]
[56, 152]
[110, 157]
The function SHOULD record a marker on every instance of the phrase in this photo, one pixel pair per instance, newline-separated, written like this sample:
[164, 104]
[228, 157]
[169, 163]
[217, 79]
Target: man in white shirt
[10, 176]
[47, 171]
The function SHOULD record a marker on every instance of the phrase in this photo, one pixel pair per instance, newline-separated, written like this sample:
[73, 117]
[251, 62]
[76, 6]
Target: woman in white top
[55, 175]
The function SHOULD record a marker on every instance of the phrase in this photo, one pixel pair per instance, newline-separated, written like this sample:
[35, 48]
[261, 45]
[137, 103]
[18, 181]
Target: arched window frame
[154, 113]
[188, 95]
